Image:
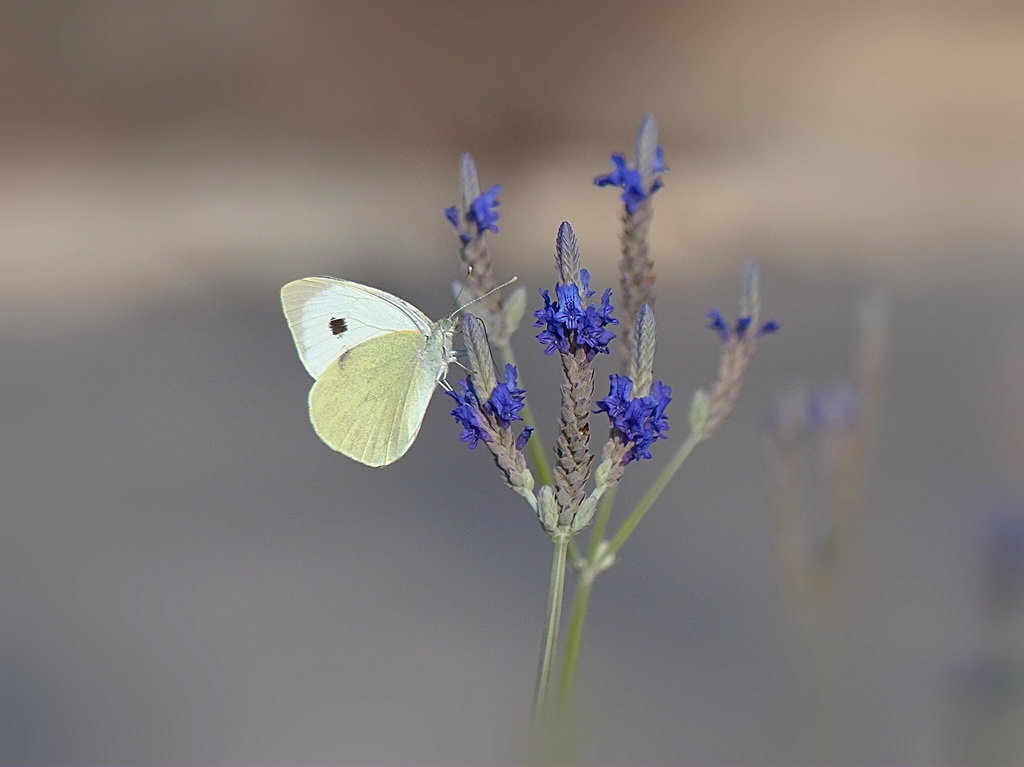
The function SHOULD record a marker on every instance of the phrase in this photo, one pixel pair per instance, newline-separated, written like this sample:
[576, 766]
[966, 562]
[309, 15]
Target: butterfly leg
[442, 379]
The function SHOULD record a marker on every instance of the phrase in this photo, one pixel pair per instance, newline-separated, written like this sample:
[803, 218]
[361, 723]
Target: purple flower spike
[739, 331]
[639, 422]
[507, 399]
[718, 324]
[629, 178]
[481, 216]
[570, 323]
[483, 210]
[467, 413]
[488, 421]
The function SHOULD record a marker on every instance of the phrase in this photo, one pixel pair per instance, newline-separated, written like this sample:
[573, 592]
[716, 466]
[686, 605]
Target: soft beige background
[188, 576]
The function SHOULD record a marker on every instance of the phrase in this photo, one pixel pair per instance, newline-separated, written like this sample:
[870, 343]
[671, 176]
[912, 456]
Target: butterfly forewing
[328, 317]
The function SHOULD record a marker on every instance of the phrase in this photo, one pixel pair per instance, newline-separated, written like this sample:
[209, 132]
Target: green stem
[580, 603]
[604, 512]
[655, 490]
[537, 453]
[574, 554]
[556, 590]
[573, 639]
[581, 599]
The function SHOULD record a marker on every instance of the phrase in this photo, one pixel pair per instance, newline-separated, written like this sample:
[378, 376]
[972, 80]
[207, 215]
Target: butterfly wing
[370, 403]
[328, 317]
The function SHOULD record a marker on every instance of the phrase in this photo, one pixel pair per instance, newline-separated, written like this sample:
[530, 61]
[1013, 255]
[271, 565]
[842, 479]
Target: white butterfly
[376, 360]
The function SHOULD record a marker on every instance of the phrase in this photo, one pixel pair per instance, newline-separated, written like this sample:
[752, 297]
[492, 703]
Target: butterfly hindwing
[369, 404]
[328, 317]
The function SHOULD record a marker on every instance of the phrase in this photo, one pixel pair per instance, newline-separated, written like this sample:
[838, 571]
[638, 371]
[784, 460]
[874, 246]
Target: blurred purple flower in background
[482, 215]
[631, 180]
[739, 330]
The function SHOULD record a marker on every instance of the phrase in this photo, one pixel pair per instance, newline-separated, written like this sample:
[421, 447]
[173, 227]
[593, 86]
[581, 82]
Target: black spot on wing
[338, 325]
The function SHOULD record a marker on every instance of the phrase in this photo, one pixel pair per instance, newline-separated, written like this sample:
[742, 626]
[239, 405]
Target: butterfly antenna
[460, 288]
[481, 298]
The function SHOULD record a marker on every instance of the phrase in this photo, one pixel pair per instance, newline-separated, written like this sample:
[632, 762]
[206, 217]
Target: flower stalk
[549, 643]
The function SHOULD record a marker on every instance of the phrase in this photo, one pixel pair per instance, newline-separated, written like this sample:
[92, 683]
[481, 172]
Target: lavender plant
[576, 490]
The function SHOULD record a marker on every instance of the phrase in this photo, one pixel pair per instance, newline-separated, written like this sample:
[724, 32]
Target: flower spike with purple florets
[507, 399]
[631, 180]
[467, 413]
[638, 421]
[489, 418]
[483, 211]
[569, 323]
[709, 409]
[480, 216]
[473, 217]
[717, 323]
[638, 180]
[641, 179]
[501, 408]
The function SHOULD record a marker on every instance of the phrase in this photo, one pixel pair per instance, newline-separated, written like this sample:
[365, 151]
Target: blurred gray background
[187, 575]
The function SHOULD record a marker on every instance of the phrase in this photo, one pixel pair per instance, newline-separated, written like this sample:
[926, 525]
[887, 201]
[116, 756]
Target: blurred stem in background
[983, 703]
[819, 447]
